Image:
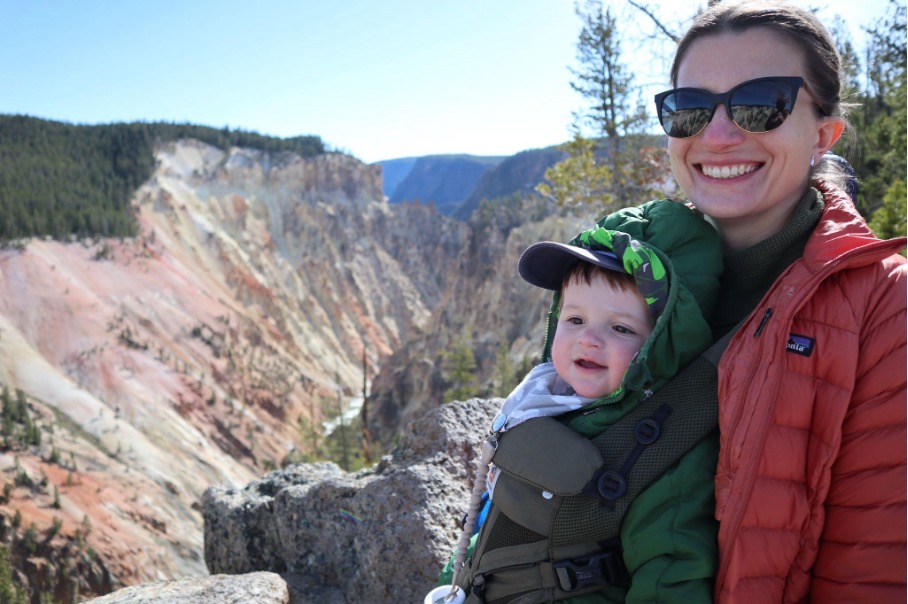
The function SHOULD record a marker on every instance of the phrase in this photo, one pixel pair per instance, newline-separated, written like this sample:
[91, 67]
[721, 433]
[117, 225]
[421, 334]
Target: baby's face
[600, 330]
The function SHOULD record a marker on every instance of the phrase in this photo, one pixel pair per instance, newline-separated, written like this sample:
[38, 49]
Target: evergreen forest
[62, 180]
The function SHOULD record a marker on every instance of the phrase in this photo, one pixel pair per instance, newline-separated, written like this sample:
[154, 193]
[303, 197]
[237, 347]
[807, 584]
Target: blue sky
[378, 79]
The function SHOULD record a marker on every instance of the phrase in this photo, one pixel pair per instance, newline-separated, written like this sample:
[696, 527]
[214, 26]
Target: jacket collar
[841, 231]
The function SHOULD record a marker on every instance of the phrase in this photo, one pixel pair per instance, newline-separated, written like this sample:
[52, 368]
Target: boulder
[377, 535]
[252, 588]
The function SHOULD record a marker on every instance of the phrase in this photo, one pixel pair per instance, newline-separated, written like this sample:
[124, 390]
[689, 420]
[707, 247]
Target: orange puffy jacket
[811, 482]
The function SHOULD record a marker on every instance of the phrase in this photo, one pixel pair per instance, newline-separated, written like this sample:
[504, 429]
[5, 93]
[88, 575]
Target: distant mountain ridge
[456, 184]
[518, 174]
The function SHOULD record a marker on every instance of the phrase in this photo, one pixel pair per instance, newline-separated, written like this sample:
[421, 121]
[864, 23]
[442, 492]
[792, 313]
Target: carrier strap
[642, 445]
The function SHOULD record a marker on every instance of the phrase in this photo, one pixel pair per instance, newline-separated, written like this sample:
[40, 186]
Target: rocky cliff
[491, 311]
[153, 367]
[313, 534]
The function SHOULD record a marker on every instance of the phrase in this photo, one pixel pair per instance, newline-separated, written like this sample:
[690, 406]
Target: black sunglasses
[754, 106]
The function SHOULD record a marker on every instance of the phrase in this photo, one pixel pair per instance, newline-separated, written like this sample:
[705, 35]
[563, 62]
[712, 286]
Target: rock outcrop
[379, 535]
[252, 588]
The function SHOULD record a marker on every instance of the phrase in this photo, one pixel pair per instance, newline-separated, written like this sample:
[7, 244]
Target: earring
[813, 161]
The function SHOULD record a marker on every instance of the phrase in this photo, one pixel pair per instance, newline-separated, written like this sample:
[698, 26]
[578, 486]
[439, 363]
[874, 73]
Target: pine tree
[619, 165]
[460, 366]
[580, 178]
[602, 77]
[888, 220]
[9, 593]
[506, 377]
[880, 124]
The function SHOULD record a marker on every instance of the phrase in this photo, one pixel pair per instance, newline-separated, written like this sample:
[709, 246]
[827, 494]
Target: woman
[810, 484]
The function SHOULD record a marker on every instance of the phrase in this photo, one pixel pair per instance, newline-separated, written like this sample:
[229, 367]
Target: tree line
[62, 180]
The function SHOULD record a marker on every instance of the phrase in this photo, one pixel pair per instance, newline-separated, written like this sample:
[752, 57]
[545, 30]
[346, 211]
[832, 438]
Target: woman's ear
[830, 131]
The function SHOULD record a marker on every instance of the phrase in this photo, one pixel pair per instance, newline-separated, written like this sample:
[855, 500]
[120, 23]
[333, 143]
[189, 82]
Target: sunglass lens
[761, 106]
[685, 113]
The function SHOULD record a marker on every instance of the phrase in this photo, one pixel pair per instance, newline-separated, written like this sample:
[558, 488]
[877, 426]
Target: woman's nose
[721, 131]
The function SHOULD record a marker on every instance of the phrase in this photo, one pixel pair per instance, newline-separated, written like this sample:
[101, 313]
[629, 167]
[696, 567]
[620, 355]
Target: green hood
[690, 253]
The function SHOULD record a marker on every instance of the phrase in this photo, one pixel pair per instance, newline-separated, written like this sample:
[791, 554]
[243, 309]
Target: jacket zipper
[766, 316]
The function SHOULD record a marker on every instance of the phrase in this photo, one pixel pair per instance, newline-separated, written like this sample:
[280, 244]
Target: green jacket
[668, 534]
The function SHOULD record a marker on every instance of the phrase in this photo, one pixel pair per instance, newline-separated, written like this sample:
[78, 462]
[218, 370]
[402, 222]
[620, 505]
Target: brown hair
[579, 271]
[797, 26]
[584, 272]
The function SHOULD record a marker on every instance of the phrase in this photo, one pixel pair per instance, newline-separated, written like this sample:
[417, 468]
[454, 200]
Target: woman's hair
[801, 29]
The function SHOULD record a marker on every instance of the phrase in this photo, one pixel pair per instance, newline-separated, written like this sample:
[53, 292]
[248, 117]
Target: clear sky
[379, 79]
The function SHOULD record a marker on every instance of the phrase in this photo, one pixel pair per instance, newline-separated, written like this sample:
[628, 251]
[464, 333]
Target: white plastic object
[437, 596]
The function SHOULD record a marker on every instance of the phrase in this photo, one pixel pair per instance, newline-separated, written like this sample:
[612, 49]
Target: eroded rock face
[379, 535]
[252, 588]
[258, 285]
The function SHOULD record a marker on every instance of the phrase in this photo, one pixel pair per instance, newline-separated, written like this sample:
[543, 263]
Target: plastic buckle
[647, 431]
[479, 587]
[601, 569]
[611, 485]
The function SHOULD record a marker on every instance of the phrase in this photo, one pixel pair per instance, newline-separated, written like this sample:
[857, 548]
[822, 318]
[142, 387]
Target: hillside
[59, 179]
[394, 171]
[457, 184]
[444, 180]
[202, 351]
[518, 174]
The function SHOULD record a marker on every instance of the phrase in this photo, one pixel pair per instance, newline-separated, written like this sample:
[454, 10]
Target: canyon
[205, 351]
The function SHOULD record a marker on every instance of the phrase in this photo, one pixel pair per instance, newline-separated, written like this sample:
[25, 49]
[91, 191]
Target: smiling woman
[812, 387]
[748, 180]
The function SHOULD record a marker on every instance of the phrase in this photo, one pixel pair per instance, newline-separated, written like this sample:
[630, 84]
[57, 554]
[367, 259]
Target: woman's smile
[727, 171]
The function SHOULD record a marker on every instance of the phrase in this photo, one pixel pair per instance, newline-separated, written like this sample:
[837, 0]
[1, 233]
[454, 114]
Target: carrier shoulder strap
[646, 442]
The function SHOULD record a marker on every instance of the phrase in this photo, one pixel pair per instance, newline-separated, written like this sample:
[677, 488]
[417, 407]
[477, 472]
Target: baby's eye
[623, 329]
[574, 320]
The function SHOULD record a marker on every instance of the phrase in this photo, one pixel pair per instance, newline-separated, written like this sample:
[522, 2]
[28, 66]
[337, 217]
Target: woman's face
[747, 183]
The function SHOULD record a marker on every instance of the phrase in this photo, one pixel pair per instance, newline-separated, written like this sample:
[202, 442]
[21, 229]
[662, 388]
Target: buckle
[479, 587]
[601, 570]
[611, 485]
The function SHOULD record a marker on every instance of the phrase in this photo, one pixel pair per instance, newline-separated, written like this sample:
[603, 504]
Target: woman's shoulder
[864, 294]
[843, 241]
[878, 286]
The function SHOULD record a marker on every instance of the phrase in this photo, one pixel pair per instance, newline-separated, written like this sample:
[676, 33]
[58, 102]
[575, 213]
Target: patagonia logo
[801, 345]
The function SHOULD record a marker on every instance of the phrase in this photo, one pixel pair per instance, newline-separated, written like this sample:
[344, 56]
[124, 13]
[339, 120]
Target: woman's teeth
[727, 171]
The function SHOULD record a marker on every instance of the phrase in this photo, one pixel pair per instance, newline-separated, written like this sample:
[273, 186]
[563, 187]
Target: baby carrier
[564, 495]
[563, 539]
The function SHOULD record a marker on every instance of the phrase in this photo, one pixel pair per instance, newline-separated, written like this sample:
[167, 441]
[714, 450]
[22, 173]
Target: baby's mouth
[584, 363]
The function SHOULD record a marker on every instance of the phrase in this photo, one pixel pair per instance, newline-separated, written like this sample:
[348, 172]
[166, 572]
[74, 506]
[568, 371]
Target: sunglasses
[755, 106]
